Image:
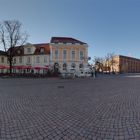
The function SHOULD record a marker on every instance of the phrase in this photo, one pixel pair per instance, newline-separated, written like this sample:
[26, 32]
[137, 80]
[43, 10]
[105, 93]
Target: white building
[62, 54]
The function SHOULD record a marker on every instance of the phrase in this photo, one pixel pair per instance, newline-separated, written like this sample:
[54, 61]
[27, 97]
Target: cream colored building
[3, 62]
[33, 56]
[68, 53]
[62, 54]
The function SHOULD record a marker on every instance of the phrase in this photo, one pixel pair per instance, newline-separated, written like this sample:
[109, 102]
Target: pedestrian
[93, 73]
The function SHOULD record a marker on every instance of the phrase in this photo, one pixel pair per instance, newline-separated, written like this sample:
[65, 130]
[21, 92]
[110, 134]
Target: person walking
[93, 73]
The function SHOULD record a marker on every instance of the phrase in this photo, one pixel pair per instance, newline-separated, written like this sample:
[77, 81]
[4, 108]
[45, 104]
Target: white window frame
[2, 59]
[28, 50]
[28, 60]
[73, 58]
[56, 54]
[42, 50]
[37, 59]
[20, 60]
[81, 58]
[14, 60]
[45, 59]
[64, 55]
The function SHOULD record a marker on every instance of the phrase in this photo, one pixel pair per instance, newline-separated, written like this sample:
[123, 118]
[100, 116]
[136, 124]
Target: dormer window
[19, 52]
[29, 50]
[42, 50]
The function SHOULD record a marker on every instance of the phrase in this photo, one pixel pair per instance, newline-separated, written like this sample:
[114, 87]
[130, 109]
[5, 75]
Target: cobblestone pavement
[106, 108]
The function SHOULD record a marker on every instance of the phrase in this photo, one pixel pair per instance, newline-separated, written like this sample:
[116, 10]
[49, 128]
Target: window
[18, 52]
[28, 60]
[81, 55]
[29, 50]
[37, 59]
[45, 59]
[56, 54]
[2, 59]
[42, 50]
[56, 66]
[64, 54]
[81, 66]
[14, 61]
[20, 60]
[73, 65]
[7, 60]
[64, 66]
[73, 54]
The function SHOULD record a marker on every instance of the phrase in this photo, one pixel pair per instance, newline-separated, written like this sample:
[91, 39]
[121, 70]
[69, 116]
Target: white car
[83, 73]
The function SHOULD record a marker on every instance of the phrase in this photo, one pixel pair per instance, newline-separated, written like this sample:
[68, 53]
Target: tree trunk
[10, 67]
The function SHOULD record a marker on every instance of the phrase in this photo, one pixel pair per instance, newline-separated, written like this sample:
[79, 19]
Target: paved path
[106, 108]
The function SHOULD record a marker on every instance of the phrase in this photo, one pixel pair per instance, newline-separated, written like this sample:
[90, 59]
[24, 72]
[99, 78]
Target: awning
[40, 67]
[2, 67]
[21, 67]
[36, 67]
[46, 67]
[17, 67]
[7, 67]
[26, 67]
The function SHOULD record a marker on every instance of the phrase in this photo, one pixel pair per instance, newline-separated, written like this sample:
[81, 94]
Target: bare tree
[10, 37]
[110, 61]
[98, 62]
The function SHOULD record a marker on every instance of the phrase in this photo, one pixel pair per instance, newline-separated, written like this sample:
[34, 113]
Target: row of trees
[105, 64]
[11, 35]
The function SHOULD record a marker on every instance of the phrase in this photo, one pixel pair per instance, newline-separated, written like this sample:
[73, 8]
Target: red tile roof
[65, 40]
[40, 46]
[37, 50]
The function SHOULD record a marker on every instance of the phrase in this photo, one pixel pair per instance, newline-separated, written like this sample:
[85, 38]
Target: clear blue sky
[106, 25]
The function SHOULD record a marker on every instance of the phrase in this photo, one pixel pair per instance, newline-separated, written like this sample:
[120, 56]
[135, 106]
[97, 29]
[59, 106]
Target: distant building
[125, 64]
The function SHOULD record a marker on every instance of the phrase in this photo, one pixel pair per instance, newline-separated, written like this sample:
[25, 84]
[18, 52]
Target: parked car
[83, 73]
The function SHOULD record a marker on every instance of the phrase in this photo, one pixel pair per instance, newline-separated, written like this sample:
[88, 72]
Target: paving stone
[106, 108]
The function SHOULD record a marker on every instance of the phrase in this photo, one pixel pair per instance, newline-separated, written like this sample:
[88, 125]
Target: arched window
[42, 50]
[81, 66]
[56, 66]
[73, 65]
[64, 66]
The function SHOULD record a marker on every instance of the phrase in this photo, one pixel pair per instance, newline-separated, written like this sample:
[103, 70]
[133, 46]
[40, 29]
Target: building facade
[125, 64]
[3, 62]
[62, 53]
[31, 58]
[68, 53]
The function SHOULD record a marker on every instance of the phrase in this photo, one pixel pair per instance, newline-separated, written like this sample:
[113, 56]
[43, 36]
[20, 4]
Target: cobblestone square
[105, 108]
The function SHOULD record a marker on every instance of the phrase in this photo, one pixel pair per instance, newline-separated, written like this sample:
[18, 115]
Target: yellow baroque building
[68, 53]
